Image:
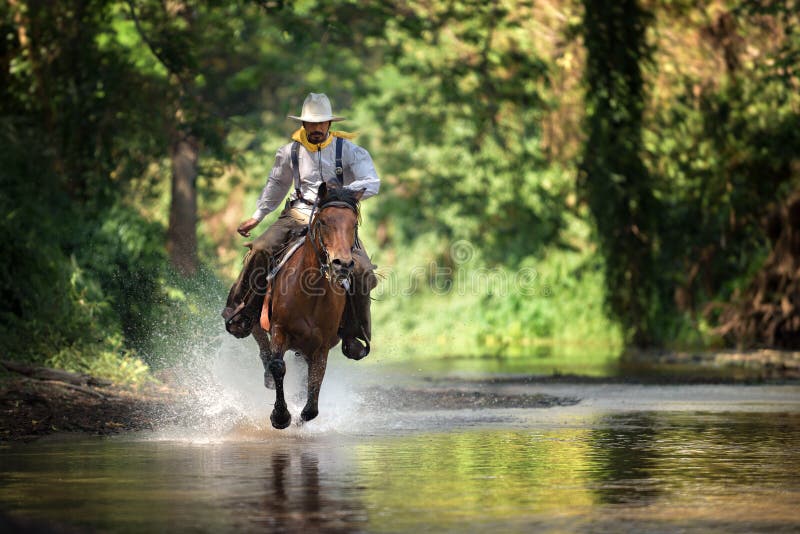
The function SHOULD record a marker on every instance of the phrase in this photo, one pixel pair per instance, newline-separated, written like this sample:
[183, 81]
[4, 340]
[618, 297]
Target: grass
[424, 309]
[113, 363]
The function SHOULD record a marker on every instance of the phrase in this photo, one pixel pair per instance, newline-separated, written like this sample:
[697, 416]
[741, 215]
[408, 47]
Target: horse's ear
[360, 193]
[322, 192]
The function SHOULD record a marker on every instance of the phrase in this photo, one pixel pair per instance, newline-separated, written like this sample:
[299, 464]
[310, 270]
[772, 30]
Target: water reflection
[654, 471]
[625, 459]
[661, 471]
[287, 485]
[448, 480]
[297, 498]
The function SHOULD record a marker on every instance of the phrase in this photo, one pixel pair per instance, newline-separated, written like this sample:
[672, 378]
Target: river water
[562, 457]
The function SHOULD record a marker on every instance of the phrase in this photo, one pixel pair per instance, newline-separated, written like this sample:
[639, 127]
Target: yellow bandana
[300, 136]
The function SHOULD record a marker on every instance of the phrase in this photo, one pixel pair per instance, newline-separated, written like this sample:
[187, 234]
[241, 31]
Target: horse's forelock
[340, 196]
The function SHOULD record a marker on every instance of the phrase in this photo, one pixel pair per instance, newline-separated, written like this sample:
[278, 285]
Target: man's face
[317, 132]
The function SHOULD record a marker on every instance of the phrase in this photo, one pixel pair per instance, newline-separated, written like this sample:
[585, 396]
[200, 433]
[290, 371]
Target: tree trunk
[182, 233]
[613, 178]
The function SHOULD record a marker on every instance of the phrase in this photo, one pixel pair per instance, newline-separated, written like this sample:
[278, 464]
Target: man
[301, 166]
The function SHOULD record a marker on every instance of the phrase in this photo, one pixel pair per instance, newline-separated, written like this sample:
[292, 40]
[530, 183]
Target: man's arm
[278, 184]
[362, 171]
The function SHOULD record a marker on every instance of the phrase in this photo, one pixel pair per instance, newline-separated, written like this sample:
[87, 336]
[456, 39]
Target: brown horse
[308, 299]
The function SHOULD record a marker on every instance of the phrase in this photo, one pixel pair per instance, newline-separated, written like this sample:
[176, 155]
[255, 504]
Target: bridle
[315, 237]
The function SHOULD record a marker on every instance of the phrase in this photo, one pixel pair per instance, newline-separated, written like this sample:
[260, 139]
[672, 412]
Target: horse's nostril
[342, 265]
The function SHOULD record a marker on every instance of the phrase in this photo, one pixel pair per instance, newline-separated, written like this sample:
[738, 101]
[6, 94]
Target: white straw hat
[317, 108]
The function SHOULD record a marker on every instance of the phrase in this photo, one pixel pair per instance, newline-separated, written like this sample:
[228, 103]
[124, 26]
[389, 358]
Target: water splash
[225, 398]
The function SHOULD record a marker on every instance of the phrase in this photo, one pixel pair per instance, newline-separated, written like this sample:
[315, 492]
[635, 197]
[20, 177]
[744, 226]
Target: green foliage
[723, 186]
[469, 307]
[111, 361]
[459, 109]
[45, 300]
[459, 140]
[685, 151]
[87, 268]
[126, 255]
[188, 321]
[722, 148]
[617, 185]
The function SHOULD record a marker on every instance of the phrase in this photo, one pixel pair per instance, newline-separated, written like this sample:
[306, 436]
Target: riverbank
[32, 407]
[37, 401]
[750, 366]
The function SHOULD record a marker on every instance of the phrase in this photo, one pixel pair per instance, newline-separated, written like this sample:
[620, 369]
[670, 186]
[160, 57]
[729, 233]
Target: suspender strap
[339, 168]
[296, 169]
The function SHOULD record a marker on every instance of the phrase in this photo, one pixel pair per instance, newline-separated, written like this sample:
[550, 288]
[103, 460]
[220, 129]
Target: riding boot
[243, 307]
[356, 325]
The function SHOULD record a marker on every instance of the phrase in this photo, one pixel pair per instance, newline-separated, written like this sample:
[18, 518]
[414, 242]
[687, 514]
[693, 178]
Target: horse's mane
[341, 195]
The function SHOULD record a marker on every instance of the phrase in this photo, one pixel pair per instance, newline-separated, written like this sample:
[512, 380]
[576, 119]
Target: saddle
[281, 259]
[239, 321]
[351, 346]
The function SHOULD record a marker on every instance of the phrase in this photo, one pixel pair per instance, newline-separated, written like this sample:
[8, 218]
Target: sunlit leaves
[463, 104]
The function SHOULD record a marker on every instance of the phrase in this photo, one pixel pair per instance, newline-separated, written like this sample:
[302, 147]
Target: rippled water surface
[658, 458]
[659, 471]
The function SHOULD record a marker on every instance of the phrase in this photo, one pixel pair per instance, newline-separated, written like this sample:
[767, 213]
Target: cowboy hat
[317, 108]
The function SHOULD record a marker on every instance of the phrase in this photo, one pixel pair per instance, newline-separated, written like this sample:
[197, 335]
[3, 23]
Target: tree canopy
[633, 156]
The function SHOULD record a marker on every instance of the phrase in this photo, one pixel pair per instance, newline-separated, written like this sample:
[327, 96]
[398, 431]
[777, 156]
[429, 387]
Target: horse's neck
[308, 255]
[310, 264]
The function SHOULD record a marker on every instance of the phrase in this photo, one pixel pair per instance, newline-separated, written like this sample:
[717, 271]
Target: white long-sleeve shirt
[359, 173]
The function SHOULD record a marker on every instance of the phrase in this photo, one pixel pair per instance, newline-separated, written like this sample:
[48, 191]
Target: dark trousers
[246, 296]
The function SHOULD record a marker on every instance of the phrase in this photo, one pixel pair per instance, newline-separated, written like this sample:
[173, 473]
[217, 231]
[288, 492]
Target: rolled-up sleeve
[362, 173]
[278, 184]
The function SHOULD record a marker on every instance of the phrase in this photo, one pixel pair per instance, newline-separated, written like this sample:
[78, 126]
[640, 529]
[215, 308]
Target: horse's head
[334, 228]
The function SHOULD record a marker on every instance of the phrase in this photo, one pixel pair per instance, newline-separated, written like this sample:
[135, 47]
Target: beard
[316, 137]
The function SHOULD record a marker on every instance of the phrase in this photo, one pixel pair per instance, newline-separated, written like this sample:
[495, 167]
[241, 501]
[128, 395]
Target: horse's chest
[315, 324]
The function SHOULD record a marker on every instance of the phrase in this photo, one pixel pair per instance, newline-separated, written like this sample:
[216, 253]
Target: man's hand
[245, 227]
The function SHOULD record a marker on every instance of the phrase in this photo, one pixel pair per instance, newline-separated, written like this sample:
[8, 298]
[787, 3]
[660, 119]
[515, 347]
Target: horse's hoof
[308, 415]
[280, 420]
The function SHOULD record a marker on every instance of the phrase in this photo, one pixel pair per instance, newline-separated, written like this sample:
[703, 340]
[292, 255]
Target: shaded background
[590, 176]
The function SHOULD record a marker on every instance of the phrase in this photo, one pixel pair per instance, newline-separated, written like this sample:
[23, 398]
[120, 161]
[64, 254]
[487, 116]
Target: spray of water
[224, 398]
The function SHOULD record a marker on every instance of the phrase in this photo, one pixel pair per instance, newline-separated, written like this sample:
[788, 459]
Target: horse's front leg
[262, 338]
[317, 363]
[280, 418]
